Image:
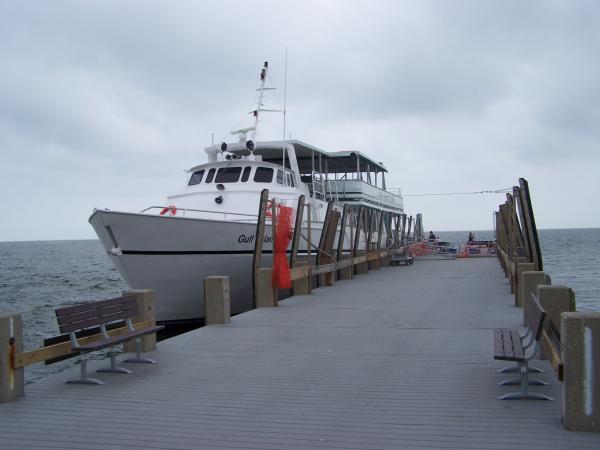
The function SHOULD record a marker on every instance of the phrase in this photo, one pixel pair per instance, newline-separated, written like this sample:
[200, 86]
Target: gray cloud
[105, 103]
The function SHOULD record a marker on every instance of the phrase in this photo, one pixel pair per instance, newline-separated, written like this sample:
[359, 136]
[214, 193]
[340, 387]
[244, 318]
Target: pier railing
[13, 359]
[331, 260]
[570, 339]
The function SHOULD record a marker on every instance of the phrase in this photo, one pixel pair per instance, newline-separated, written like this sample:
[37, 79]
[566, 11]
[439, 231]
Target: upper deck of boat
[401, 358]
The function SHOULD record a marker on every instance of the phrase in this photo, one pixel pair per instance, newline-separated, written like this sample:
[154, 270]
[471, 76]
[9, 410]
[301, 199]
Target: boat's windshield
[235, 174]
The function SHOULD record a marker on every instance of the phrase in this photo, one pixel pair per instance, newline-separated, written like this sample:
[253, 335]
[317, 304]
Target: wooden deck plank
[399, 358]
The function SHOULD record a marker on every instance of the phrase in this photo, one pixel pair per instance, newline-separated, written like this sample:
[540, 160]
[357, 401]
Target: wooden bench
[510, 345]
[99, 314]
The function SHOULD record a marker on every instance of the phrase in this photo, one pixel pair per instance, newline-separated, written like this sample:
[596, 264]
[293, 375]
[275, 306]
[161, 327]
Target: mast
[261, 90]
[284, 106]
[259, 106]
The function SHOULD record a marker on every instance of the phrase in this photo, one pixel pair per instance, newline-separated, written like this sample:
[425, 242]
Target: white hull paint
[172, 255]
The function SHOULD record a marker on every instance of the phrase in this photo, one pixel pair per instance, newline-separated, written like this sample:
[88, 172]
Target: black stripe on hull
[205, 252]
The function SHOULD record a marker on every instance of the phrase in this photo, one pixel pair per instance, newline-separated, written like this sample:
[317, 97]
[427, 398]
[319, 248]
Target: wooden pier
[378, 357]
[401, 358]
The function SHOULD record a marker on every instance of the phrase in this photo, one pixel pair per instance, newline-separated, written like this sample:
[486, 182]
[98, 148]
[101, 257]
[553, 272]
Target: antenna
[285, 93]
[259, 107]
[284, 103]
[261, 89]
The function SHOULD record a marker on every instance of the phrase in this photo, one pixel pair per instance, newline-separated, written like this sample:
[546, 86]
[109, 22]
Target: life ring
[171, 209]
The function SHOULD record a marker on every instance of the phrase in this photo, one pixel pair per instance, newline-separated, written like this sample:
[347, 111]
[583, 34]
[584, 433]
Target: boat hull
[173, 255]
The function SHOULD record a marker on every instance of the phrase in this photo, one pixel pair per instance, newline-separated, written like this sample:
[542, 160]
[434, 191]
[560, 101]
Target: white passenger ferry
[208, 227]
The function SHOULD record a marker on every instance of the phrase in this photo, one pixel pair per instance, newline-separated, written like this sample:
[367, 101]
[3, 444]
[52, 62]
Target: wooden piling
[555, 300]
[327, 255]
[529, 220]
[258, 243]
[267, 294]
[12, 379]
[530, 280]
[362, 267]
[217, 304]
[302, 285]
[520, 267]
[344, 273]
[145, 299]
[580, 337]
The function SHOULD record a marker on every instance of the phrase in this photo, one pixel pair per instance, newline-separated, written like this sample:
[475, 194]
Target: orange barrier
[419, 249]
[281, 272]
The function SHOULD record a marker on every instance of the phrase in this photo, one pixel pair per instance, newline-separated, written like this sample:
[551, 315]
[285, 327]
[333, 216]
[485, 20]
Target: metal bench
[99, 314]
[510, 345]
[402, 258]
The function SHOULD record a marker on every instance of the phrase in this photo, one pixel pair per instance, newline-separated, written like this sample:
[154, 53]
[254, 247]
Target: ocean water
[571, 257]
[38, 277]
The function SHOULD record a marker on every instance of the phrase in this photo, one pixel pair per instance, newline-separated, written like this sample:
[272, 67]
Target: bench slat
[507, 345]
[96, 312]
[517, 346]
[86, 306]
[92, 314]
[94, 321]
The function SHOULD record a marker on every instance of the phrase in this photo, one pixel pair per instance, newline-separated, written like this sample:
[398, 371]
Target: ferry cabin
[226, 187]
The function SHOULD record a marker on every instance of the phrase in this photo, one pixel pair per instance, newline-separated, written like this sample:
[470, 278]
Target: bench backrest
[92, 314]
[534, 316]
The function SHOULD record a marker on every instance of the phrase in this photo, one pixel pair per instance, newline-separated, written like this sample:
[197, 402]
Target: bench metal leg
[527, 395]
[517, 380]
[517, 368]
[138, 354]
[84, 376]
[524, 392]
[113, 365]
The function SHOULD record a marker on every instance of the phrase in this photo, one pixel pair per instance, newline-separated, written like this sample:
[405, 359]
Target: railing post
[145, 302]
[520, 267]
[11, 342]
[361, 267]
[530, 280]
[302, 286]
[267, 295]
[328, 279]
[580, 341]
[529, 219]
[259, 240]
[217, 303]
[376, 263]
[555, 300]
[346, 272]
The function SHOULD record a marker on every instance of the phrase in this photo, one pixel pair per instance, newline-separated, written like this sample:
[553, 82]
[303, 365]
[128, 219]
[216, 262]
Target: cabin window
[293, 179]
[211, 174]
[263, 175]
[196, 177]
[280, 177]
[290, 179]
[228, 175]
[246, 174]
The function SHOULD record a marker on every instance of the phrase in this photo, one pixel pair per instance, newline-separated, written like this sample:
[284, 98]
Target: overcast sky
[106, 103]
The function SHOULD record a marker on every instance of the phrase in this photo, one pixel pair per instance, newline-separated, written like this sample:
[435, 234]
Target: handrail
[200, 210]
[387, 190]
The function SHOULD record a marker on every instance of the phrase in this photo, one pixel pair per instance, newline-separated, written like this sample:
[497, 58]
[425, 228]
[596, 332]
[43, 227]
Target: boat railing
[183, 212]
[360, 188]
[317, 186]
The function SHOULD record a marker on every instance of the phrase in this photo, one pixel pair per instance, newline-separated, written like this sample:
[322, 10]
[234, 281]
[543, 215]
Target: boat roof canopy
[336, 162]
